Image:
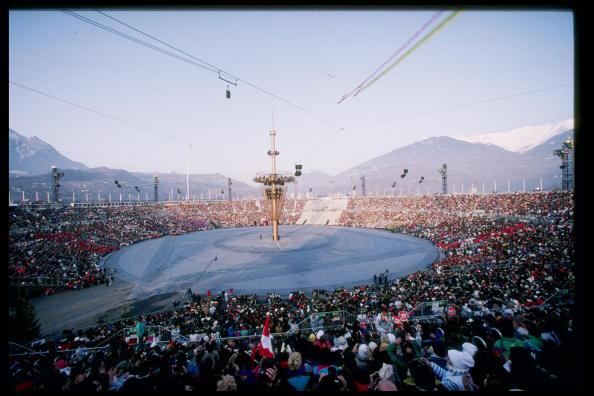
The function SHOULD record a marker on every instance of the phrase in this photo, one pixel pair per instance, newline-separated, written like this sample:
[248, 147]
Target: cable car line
[211, 69]
[166, 136]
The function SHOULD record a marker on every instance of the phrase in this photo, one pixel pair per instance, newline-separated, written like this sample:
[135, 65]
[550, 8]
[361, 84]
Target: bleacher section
[325, 211]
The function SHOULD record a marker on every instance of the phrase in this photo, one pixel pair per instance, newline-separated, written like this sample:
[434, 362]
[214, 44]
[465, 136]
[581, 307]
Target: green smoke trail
[412, 49]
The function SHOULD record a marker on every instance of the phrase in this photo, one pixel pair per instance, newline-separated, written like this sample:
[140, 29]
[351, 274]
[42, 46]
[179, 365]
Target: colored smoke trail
[413, 37]
[412, 49]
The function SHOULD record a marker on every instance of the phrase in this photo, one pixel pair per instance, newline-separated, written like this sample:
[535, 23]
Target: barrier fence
[428, 311]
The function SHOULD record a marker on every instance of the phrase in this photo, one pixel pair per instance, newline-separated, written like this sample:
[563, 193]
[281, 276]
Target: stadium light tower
[566, 174]
[56, 176]
[444, 178]
[275, 190]
[156, 188]
[363, 187]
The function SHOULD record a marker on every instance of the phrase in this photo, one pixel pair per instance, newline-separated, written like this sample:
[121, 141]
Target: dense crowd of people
[502, 257]
[62, 248]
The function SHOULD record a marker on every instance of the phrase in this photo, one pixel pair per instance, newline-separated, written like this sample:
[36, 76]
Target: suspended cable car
[228, 92]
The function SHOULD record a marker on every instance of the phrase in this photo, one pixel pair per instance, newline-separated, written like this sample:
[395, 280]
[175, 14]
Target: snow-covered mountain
[33, 156]
[521, 140]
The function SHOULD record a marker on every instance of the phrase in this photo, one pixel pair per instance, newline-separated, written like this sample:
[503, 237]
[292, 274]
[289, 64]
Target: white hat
[372, 346]
[509, 312]
[470, 348]
[460, 360]
[363, 352]
[386, 371]
[391, 338]
[319, 334]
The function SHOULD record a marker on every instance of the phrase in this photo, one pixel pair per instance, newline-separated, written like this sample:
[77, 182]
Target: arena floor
[306, 257]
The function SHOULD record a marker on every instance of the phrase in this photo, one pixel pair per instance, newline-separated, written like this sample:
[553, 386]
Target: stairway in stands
[324, 211]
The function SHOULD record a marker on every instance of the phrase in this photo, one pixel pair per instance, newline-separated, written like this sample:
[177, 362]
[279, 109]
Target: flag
[265, 341]
[264, 348]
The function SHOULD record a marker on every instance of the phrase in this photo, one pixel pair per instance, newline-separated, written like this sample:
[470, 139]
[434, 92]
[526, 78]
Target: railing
[563, 296]
[164, 334]
[37, 281]
[428, 310]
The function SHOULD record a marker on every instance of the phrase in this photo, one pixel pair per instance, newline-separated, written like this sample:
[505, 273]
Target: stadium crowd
[502, 256]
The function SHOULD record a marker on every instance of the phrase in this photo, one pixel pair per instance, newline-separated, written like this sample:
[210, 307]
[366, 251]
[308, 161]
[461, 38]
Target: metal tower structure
[56, 176]
[229, 185]
[443, 171]
[566, 155]
[275, 190]
[156, 188]
[363, 187]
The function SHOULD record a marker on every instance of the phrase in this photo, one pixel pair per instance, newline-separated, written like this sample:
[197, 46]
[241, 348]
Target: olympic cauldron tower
[275, 190]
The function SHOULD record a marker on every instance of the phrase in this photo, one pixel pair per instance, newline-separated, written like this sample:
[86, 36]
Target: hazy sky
[310, 58]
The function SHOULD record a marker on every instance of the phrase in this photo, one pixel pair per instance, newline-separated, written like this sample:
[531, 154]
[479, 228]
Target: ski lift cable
[479, 133]
[166, 136]
[482, 101]
[138, 41]
[333, 134]
[212, 69]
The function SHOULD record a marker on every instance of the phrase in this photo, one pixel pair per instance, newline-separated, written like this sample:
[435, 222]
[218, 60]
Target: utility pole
[541, 184]
[73, 198]
[229, 186]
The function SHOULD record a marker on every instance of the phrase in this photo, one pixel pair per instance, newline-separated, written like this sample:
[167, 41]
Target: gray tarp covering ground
[305, 258]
